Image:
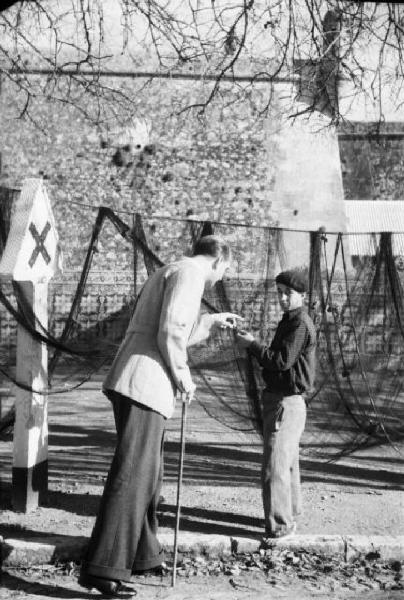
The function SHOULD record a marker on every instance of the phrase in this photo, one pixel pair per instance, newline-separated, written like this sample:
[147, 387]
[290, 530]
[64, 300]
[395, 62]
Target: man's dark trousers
[284, 419]
[124, 536]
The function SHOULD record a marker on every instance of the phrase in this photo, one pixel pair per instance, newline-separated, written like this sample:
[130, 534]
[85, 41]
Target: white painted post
[31, 258]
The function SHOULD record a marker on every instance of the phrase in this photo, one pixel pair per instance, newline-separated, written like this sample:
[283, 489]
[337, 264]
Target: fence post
[31, 258]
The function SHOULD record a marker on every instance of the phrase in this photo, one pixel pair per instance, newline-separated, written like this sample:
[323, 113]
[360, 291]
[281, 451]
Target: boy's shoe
[269, 539]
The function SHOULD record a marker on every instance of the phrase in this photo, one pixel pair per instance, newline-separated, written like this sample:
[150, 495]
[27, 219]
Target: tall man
[288, 371]
[148, 370]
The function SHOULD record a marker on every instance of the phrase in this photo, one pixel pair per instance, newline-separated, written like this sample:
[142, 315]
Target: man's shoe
[158, 570]
[108, 587]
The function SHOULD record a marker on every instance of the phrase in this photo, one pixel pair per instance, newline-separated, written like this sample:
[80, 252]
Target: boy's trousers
[284, 419]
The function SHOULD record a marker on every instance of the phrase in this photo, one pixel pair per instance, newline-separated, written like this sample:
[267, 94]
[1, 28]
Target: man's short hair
[212, 245]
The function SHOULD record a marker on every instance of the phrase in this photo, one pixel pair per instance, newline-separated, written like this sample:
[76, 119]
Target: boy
[288, 371]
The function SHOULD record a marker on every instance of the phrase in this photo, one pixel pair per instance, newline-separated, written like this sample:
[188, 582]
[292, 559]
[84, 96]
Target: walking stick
[179, 485]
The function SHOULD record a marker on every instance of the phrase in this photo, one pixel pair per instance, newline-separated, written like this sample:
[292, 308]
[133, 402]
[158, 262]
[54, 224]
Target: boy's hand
[244, 338]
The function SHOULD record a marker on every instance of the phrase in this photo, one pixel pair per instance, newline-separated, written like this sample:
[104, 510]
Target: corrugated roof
[374, 216]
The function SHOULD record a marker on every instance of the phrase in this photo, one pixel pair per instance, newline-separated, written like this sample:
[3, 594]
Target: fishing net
[355, 300]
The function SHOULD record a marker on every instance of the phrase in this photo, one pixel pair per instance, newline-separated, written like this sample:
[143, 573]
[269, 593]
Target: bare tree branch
[214, 37]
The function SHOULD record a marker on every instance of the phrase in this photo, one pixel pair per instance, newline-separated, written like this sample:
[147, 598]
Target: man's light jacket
[151, 363]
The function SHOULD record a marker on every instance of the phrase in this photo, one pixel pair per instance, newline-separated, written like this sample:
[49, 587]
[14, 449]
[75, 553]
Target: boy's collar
[290, 314]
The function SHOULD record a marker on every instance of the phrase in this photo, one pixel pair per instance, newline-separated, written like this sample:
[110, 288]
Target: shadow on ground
[82, 455]
[20, 585]
[193, 519]
[198, 520]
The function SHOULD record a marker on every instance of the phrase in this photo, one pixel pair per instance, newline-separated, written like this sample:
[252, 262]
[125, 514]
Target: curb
[24, 553]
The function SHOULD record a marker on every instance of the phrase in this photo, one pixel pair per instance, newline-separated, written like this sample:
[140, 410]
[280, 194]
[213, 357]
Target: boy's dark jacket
[289, 362]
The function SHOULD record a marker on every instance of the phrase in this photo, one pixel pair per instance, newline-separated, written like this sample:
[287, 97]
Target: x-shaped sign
[39, 246]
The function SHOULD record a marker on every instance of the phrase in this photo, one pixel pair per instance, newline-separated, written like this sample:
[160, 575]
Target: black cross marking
[39, 247]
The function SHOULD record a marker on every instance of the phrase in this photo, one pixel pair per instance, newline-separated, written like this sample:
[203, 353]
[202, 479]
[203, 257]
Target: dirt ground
[360, 494]
[272, 575]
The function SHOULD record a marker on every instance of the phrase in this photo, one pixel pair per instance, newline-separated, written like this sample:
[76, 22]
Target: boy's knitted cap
[293, 279]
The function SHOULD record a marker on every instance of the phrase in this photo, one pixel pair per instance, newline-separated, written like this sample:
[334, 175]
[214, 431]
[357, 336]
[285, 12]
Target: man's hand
[244, 338]
[226, 320]
[189, 393]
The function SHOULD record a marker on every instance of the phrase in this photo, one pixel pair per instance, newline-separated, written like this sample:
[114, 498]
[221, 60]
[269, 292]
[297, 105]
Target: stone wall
[222, 166]
[217, 167]
[373, 164]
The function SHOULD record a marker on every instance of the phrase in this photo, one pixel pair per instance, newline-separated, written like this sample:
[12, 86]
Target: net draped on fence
[355, 299]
